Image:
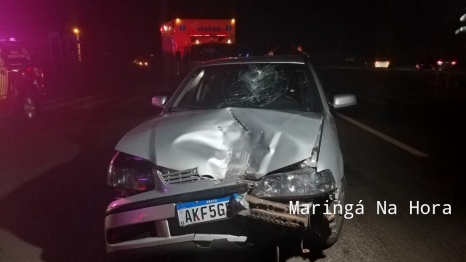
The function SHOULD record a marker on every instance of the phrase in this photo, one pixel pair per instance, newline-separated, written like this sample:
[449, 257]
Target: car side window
[185, 97]
[187, 57]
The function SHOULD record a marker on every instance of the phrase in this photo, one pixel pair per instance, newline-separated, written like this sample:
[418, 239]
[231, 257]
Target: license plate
[190, 213]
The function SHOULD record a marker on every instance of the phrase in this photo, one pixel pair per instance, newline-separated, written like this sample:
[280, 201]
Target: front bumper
[169, 245]
[145, 228]
[150, 227]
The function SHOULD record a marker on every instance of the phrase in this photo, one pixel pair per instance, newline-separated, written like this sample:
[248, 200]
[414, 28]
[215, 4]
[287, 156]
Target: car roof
[286, 59]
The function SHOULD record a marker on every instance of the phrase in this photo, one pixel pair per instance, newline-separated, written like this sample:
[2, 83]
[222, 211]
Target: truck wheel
[29, 107]
[326, 229]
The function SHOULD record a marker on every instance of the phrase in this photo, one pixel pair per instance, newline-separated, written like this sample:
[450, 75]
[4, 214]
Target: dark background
[53, 170]
[406, 31]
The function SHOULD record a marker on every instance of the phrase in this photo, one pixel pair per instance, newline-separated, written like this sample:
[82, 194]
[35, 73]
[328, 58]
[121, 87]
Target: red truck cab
[187, 42]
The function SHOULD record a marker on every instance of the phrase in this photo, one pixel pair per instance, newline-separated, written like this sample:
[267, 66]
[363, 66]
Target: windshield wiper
[188, 108]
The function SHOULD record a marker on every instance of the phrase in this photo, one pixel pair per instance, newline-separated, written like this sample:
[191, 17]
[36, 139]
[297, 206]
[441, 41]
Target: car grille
[179, 177]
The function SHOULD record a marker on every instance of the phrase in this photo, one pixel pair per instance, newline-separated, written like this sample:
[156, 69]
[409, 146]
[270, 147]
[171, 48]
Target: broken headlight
[306, 182]
[130, 173]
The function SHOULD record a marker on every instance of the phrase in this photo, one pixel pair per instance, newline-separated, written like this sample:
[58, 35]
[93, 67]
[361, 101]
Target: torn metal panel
[225, 143]
[330, 156]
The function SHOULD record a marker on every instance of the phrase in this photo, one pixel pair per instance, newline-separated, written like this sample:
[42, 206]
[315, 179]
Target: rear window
[209, 52]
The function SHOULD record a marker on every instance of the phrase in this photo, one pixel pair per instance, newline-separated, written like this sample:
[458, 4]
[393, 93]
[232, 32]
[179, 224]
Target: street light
[76, 31]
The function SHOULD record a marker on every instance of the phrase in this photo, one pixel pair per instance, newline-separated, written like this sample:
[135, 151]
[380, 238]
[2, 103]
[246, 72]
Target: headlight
[130, 173]
[304, 182]
[130, 178]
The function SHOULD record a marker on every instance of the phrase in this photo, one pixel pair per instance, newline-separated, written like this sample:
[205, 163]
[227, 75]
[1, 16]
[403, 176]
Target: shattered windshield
[276, 86]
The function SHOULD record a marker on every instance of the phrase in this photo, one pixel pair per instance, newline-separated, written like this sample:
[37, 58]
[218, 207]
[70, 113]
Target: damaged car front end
[238, 154]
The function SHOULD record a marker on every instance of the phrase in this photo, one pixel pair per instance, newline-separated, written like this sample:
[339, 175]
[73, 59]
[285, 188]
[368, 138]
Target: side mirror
[159, 101]
[343, 100]
[178, 56]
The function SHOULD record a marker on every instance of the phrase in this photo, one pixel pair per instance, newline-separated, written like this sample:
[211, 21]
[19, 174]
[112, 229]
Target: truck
[188, 42]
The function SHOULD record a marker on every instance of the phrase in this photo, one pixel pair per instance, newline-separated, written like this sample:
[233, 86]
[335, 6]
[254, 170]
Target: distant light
[76, 31]
[233, 21]
[229, 41]
[453, 63]
[165, 28]
[197, 41]
[161, 29]
[439, 62]
[140, 63]
[178, 20]
[146, 64]
[12, 39]
[382, 64]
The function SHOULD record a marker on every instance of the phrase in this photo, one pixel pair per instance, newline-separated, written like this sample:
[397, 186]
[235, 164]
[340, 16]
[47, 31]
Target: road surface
[398, 144]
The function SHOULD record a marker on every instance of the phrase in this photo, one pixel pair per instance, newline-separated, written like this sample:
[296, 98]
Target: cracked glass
[277, 86]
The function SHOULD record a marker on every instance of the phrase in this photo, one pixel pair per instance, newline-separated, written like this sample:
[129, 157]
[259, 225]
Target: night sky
[405, 29]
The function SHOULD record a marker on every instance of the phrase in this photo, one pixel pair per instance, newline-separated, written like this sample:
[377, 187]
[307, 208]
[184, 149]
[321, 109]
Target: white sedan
[245, 150]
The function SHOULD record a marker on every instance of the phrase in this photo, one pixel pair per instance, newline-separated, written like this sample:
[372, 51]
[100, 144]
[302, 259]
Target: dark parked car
[444, 65]
[21, 80]
[426, 65]
[440, 64]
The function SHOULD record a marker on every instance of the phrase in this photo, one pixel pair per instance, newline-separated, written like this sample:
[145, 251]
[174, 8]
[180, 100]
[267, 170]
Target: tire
[29, 106]
[324, 233]
[290, 249]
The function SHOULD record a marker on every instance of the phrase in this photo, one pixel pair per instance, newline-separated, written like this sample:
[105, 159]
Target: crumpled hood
[224, 143]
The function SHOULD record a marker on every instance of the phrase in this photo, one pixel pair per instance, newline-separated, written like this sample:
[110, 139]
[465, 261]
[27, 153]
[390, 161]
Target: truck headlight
[130, 173]
[306, 182]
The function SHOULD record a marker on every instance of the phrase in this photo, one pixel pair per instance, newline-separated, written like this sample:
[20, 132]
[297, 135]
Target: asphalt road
[398, 144]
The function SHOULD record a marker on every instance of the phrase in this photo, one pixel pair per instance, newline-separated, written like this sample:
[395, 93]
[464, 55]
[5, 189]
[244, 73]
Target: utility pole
[76, 31]
[460, 30]
[463, 28]
[339, 40]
